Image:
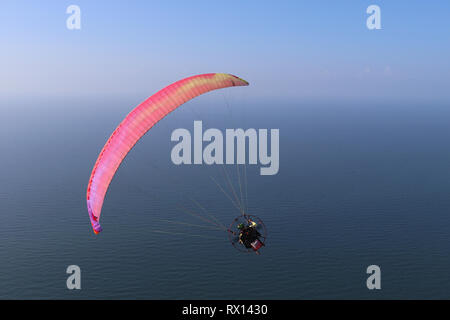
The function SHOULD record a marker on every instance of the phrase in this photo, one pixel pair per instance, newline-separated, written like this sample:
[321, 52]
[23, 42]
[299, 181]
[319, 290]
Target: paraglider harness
[247, 234]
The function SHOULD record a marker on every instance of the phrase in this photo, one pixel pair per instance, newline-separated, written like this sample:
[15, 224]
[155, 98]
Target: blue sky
[292, 49]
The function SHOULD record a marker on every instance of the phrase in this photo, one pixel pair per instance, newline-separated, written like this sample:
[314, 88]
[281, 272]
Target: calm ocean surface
[359, 184]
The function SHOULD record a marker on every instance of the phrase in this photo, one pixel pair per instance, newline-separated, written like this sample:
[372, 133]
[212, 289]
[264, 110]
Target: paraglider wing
[137, 123]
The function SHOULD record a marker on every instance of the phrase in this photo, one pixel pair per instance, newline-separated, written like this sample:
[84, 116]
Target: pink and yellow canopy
[137, 123]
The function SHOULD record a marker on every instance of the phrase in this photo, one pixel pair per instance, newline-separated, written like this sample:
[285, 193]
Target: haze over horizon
[289, 49]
